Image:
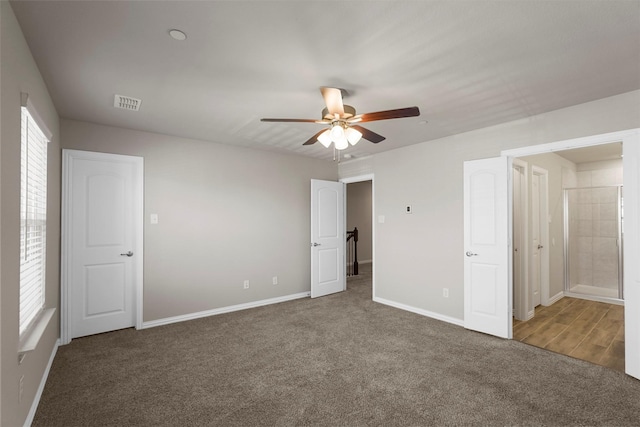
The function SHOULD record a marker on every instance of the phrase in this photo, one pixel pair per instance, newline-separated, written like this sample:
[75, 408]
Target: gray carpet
[340, 360]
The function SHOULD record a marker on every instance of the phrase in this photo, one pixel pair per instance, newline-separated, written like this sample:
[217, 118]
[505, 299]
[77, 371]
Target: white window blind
[33, 218]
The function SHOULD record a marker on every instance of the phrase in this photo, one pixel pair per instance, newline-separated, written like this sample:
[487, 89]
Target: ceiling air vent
[127, 103]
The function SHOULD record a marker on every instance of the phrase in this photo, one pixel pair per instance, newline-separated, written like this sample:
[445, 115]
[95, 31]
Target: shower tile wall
[593, 213]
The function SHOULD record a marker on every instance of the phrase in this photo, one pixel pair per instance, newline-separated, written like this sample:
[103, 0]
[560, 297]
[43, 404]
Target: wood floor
[587, 330]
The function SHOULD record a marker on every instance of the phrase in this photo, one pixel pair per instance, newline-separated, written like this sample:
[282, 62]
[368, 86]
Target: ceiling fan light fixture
[341, 144]
[325, 138]
[353, 136]
[337, 133]
[338, 136]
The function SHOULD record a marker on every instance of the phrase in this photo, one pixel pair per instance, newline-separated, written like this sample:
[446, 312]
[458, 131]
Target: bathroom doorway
[584, 314]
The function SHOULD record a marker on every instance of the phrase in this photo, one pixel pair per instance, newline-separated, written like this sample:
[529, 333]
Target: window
[33, 215]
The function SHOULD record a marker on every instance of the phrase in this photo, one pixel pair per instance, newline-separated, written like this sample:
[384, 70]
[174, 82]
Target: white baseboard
[43, 381]
[222, 310]
[594, 298]
[426, 313]
[557, 297]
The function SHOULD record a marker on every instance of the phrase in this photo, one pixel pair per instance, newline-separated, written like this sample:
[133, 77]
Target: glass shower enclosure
[593, 232]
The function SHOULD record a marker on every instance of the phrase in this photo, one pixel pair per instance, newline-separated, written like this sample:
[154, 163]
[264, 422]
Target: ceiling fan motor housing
[349, 112]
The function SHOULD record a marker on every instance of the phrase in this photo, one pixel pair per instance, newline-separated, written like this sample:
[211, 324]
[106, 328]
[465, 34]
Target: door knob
[129, 254]
[540, 246]
[314, 244]
[470, 254]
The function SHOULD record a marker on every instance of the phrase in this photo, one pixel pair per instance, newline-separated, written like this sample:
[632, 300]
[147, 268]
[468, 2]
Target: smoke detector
[127, 103]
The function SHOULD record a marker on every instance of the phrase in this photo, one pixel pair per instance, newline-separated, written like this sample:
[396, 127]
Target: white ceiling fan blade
[333, 98]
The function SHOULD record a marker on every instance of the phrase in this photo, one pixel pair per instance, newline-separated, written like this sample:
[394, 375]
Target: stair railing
[352, 252]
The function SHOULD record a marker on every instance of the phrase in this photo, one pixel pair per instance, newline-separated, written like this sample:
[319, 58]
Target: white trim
[522, 300]
[543, 201]
[43, 381]
[362, 178]
[593, 298]
[630, 146]
[139, 239]
[631, 252]
[426, 313]
[587, 141]
[31, 337]
[359, 178]
[222, 310]
[25, 102]
[67, 161]
[554, 299]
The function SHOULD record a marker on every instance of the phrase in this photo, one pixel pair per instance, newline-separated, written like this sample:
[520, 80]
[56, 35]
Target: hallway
[587, 330]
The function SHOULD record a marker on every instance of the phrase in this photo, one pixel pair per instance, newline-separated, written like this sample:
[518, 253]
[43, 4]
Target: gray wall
[417, 255]
[226, 214]
[229, 214]
[359, 215]
[20, 74]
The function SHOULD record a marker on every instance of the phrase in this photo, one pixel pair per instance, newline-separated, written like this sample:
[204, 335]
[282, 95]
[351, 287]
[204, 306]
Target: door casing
[631, 164]
[362, 178]
[542, 177]
[520, 245]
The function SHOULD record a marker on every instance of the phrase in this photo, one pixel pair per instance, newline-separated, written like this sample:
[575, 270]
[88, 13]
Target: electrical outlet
[21, 389]
[445, 292]
[274, 280]
[246, 284]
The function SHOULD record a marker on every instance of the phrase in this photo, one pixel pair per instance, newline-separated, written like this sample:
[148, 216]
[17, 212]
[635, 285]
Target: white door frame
[631, 163]
[65, 267]
[362, 178]
[543, 200]
[520, 289]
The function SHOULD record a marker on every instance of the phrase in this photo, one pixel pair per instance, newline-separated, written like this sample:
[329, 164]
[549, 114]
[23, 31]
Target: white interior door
[487, 290]
[536, 256]
[327, 238]
[102, 216]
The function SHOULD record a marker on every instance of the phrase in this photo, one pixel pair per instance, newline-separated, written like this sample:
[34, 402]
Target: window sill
[29, 340]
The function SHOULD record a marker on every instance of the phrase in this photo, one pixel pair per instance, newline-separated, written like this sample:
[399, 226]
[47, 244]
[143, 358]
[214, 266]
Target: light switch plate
[154, 218]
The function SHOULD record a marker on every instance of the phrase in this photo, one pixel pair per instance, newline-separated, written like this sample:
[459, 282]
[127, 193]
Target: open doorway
[359, 213]
[555, 309]
[359, 225]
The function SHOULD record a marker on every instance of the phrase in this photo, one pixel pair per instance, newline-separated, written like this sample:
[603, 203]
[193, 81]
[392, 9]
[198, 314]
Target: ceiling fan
[342, 120]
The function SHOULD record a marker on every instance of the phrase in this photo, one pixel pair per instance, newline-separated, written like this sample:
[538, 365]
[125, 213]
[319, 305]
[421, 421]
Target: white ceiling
[465, 64]
[594, 153]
